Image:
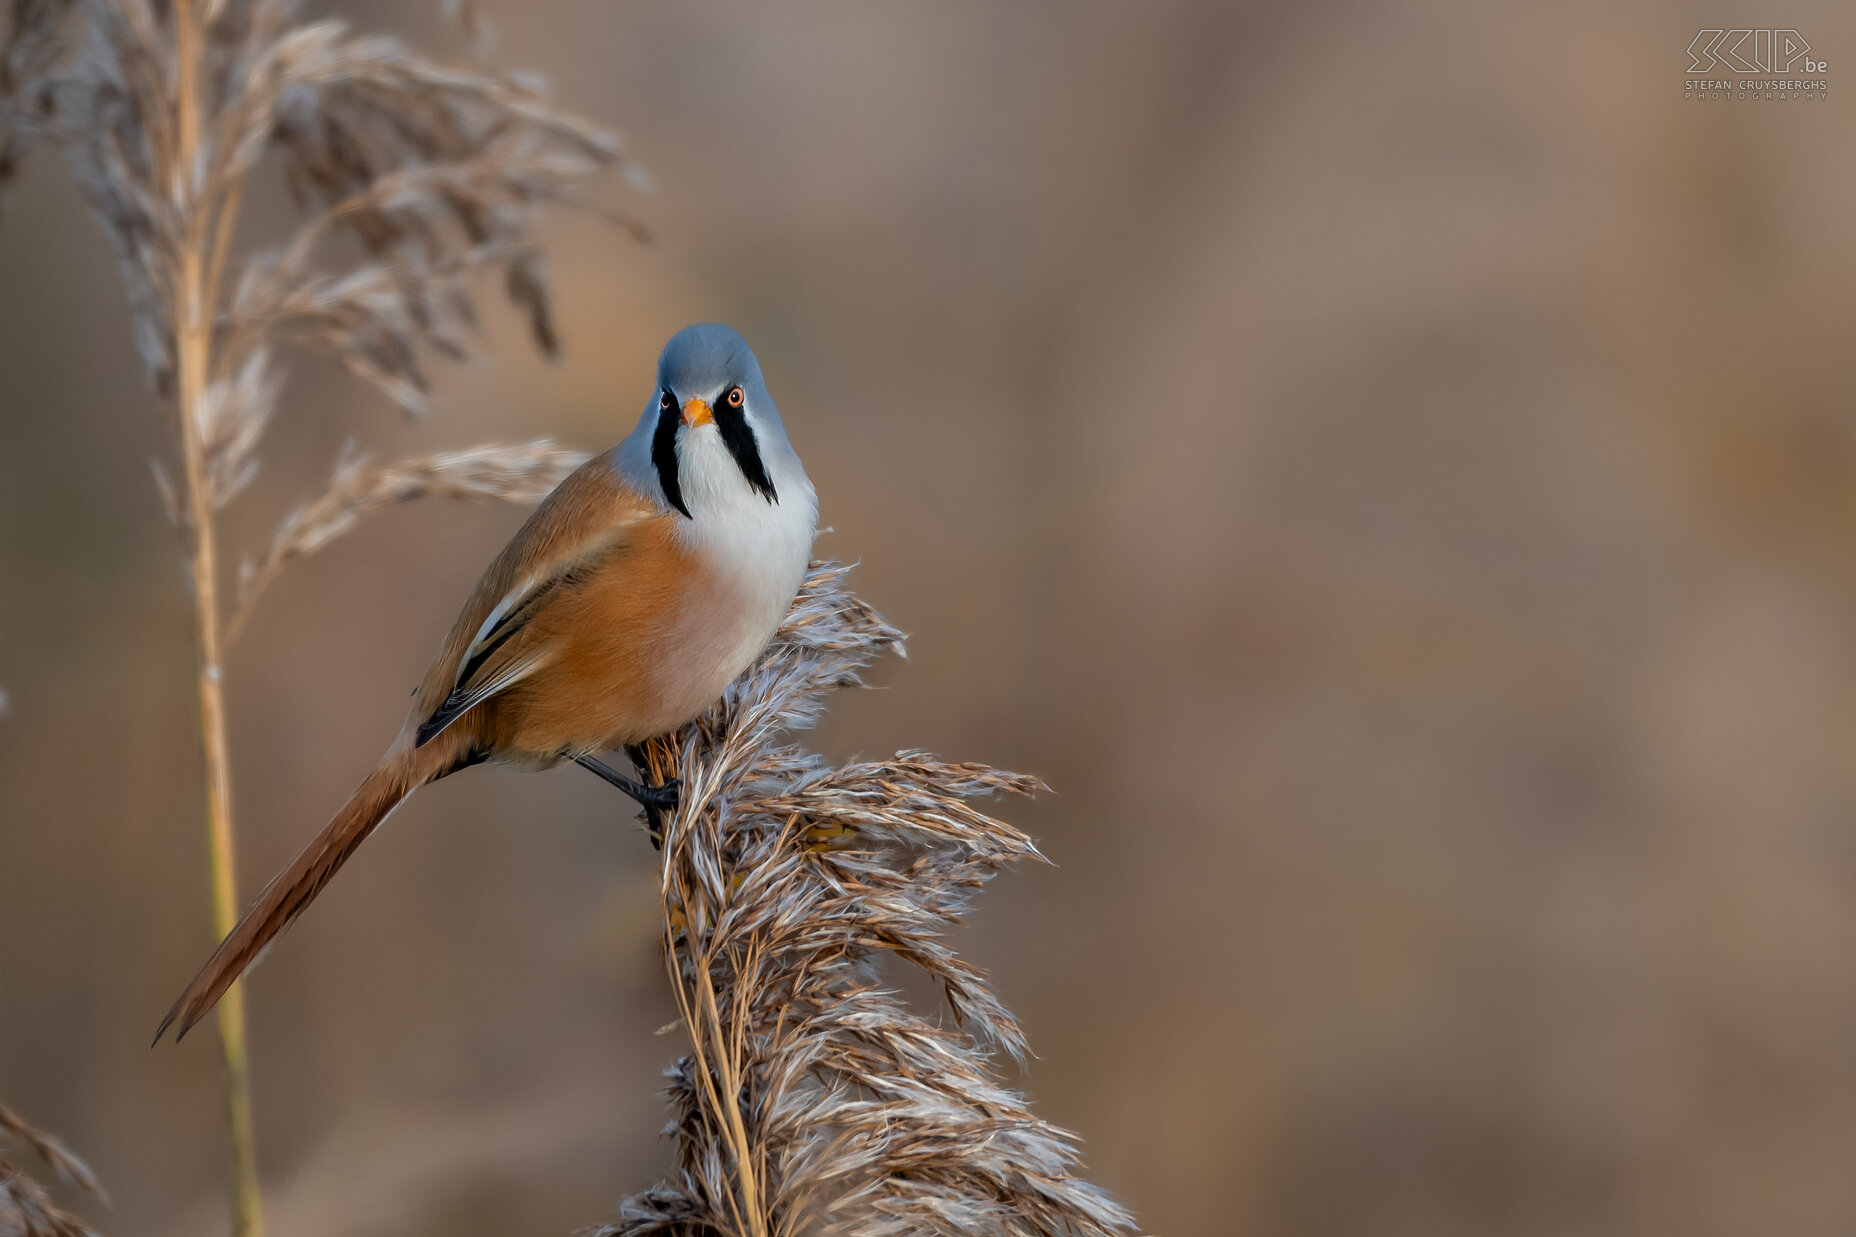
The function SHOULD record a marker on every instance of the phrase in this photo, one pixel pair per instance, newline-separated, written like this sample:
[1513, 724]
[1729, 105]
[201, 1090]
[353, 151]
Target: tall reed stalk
[193, 346]
[162, 109]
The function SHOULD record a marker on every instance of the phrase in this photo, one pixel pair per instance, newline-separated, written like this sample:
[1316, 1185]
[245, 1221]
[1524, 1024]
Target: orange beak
[696, 412]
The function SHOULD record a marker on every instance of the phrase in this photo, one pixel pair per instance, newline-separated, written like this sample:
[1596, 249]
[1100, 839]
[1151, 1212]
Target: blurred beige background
[1392, 467]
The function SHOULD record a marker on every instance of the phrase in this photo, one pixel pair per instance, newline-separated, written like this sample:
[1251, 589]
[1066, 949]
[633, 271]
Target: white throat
[761, 548]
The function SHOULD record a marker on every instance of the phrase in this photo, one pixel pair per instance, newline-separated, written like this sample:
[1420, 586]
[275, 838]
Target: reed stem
[193, 327]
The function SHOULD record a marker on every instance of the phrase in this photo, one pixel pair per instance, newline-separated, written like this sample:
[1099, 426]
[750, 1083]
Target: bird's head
[715, 436]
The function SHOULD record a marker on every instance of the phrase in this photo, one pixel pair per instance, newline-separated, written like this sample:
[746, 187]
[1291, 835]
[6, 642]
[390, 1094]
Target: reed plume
[415, 178]
[813, 1099]
[26, 1207]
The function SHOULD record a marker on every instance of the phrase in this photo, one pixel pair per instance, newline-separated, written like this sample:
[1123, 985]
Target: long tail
[289, 894]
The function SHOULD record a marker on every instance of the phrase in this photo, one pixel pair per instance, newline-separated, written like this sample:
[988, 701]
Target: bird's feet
[655, 800]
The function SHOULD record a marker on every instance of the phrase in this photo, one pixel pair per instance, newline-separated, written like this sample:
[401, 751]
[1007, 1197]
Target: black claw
[663, 797]
[655, 800]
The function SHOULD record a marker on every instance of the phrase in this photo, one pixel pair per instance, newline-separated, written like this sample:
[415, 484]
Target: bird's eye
[734, 397]
[665, 402]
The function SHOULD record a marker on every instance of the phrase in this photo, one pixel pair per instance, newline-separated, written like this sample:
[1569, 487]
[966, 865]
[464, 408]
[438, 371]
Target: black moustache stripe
[738, 437]
[664, 457]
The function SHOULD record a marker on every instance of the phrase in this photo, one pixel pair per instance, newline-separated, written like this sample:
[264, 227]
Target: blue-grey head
[711, 438]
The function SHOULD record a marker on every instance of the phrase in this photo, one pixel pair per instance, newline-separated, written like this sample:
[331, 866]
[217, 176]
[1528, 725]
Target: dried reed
[432, 174]
[26, 1208]
[517, 474]
[813, 1098]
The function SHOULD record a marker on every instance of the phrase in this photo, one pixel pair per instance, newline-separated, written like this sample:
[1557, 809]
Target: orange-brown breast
[635, 647]
[636, 651]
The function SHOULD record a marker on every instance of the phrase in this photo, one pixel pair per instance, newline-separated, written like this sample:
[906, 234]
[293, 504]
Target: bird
[650, 578]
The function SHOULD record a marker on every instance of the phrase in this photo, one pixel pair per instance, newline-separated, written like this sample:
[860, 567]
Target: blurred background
[1391, 467]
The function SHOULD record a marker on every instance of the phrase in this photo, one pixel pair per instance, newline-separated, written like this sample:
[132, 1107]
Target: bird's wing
[587, 521]
[499, 656]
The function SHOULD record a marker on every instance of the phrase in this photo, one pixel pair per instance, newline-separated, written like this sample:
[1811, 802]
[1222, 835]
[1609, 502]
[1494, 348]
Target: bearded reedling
[640, 588]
